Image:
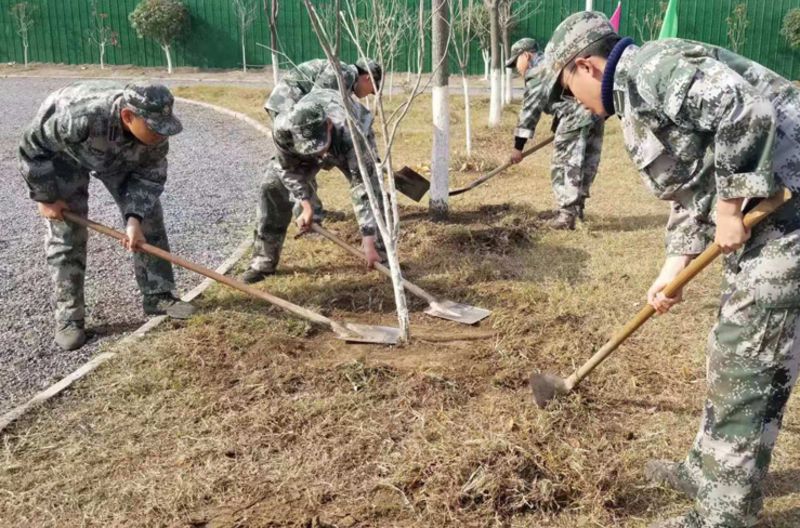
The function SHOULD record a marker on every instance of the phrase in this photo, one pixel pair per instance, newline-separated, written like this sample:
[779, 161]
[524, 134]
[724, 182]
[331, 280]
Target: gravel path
[209, 204]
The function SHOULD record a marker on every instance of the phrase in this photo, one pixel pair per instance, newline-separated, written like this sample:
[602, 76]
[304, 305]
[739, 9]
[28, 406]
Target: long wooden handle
[233, 283]
[761, 211]
[503, 167]
[413, 288]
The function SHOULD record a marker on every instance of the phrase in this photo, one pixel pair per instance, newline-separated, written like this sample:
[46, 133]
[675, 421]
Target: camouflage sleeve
[686, 233]
[533, 104]
[710, 97]
[51, 132]
[145, 184]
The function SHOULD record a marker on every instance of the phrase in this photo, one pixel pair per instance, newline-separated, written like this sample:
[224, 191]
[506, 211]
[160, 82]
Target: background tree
[462, 34]
[440, 155]
[495, 95]
[161, 20]
[23, 14]
[649, 26]
[100, 32]
[481, 26]
[737, 27]
[246, 13]
[511, 14]
[271, 7]
[791, 28]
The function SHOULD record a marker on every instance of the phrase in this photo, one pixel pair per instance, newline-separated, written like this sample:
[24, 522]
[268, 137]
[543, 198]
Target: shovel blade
[458, 312]
[546, 387]
[361, 333]
[411, 183]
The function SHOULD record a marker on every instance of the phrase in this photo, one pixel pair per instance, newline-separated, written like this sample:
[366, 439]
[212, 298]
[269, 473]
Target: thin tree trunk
[275, 69]
[495, 103]
[502, 78]
[102, 56]
[467, 120]
[244, 54]
[169, 57]
[509, 85]
[25, 52]
[486, 62]
[273, 40]
[440, 158]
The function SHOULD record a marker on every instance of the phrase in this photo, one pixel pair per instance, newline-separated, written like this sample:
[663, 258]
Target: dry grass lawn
[245, 416]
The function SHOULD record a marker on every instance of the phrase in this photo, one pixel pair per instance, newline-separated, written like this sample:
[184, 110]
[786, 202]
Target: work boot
[564, 219]
[253, 275]
[670, 474]
[688, 520]
[70, 335]
[167, 304]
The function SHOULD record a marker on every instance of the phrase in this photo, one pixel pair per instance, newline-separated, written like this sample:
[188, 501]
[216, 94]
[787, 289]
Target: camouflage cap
[153, 102]
[303, 130]
[521, 46]
[574, 34]
[372, 67]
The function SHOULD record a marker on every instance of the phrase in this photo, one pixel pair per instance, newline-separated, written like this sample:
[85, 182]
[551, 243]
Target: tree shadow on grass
[627, 223]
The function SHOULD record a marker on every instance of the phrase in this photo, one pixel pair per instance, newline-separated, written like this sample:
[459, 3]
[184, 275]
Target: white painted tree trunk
[440, 158]
[102, 55]
[169, 57]
[467, 121]
[487, 59]
[276, 71]
[495, 106]
[244, 54]
[391, 83]
[509, 92]
[502, 79]
[25, 52]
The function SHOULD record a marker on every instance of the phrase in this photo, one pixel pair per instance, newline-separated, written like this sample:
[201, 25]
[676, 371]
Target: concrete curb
[58, 387]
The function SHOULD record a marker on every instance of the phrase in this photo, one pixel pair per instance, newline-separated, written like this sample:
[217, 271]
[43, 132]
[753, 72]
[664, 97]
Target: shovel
[414, 185]
[453, 311]
[547, 386]
[351, 332]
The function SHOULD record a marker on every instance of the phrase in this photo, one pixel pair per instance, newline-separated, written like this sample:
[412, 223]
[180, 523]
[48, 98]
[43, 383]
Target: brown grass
[246, 417]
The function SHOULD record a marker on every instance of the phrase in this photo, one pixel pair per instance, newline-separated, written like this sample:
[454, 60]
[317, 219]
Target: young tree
[100, 32]
[271, 7]
[162, 21]
[791, 28]
[23, 14]
[650, 25]
[511, 14]
[481, 26]
[246, 12]
[440, 155]
[737, 27]
[463, 33]
[387, 218]
[495, 97]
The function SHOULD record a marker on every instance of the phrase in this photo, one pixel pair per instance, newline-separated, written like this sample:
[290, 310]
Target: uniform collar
[607, 86]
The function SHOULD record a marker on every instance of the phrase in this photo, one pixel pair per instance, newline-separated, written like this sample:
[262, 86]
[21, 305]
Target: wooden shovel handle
[211, 274]
[413, 288]
[502, 167]
[761, 211]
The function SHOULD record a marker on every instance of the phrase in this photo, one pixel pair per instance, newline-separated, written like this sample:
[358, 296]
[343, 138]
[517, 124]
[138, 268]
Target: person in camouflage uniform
[310, 137]
[118, 134]
[710, 131]
[578, 136]
[318, 73]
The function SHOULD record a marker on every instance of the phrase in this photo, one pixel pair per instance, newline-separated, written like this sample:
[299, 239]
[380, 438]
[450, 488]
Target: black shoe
[70, 335]
[167, 304]
[253, 275]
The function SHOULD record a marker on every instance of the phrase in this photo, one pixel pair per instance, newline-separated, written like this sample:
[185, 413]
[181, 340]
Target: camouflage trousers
[65, 246]
[576, 156]
[276, 208]
[752, 366]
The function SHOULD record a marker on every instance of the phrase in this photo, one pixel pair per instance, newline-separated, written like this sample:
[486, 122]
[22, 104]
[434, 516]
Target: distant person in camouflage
[118, 134]
[299, 81]
[712, 132]
[579, 135]
[311, 137]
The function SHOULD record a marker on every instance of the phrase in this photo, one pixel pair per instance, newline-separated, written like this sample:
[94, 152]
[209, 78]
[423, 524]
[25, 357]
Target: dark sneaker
[564, 219]
[167, 304]
[253, 275]
[70, 335]
[670, 474]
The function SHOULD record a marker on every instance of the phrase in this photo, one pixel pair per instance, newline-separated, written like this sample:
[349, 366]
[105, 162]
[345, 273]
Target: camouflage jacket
[78, 128]
[301, 80]
[296, 170]
[571, 115]
[701, 122]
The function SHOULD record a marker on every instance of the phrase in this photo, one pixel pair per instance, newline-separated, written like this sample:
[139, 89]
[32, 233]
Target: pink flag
[616, 16]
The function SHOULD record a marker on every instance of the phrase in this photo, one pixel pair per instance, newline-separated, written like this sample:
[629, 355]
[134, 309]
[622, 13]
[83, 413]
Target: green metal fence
[60, 32]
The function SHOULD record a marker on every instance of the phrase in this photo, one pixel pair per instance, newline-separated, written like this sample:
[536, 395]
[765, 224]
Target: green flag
[669, 28]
